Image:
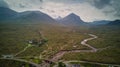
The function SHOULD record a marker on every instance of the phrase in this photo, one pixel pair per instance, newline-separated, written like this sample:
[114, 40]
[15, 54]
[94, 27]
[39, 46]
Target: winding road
[67, 63]
[21, 60]
[59, 54]
[56, 57]
[29, 45]
[84, 42]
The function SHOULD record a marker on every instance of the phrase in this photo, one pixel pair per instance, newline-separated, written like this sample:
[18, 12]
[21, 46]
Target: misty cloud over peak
[89, 10]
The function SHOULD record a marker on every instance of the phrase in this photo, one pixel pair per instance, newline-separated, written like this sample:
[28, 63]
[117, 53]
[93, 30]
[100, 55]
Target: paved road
[21, 60]
[23, 49]
[67, 63]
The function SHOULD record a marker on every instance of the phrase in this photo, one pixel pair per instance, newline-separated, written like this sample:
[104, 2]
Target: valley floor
[62, 45]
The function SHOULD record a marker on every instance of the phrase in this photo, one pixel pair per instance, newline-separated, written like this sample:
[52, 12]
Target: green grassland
[14, 38]
[109, 39]
[13, 63]
[88, 64]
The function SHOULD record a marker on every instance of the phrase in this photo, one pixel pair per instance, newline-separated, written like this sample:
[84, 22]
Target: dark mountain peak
[6, 13]
[73, 18]
[3, 8]
[100, 22]
[116, 22]
[35, 16]
[73, 14]
[6, 10]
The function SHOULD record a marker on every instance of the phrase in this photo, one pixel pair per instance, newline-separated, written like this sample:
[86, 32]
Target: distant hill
[116, 22]
[102, 22]
[35, 16]
[6, 13]
[72, 19]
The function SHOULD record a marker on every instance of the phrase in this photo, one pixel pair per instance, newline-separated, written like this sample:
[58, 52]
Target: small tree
[60, 64]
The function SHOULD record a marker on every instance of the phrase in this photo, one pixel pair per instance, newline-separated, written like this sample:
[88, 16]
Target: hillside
[116, 22]
[9, 15]
[72, 20]
[6, 13]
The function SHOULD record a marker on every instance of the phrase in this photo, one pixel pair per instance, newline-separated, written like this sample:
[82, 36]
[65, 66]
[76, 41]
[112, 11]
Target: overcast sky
[88, 10]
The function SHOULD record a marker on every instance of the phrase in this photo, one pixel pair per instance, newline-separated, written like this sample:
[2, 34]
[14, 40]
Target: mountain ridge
[6, 13]
[101, 22]
[115, 22]
[72, 19]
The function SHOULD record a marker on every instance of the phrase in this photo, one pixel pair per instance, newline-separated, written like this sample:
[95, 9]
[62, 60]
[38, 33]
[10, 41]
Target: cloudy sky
[88, 10]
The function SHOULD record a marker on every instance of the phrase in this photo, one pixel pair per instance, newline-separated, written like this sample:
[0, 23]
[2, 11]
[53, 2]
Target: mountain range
[102, 22]
[116, 22]
[8, 14]
[72, 19]
[35, 16]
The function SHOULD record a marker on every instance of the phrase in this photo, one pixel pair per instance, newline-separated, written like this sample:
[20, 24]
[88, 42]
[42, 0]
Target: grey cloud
[106, 7]
[68, 9]
[41, 0]
[51, 11]
[41, 8]
[101, 3]
[22, 6]
[116, 6]
[66, 1]
[113, 6]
